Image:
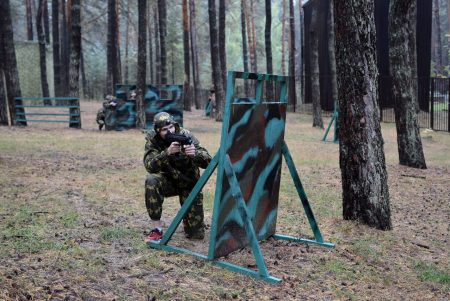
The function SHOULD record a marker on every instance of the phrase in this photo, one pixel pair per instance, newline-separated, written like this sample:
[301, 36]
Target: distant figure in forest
[109, 105]
[210, 108]
[173, 170]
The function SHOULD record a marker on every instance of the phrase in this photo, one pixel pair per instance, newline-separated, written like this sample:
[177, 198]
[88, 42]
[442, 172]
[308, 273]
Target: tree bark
[222, 47]
[268, 42]
[215, 62]
[361, 154]
[151, 68]
[244, 45]
[315, 81]
[75, 54]
[141, 65]
[157, 48]
[300, 53]
[292, 101]
[194, 52]
[162, 17]
[42, 56]
[45, 20]
[437, 38]
[56, 48]
[3, 98]
[332, 54]
[111, 48]
[283, 38]
[403, 63]
[84, 85]
[8, 58]
[29, 17]
[127, 42]
[186, 49]
[65, 46]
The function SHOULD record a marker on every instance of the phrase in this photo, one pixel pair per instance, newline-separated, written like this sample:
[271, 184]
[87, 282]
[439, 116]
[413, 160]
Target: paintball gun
[180, 138]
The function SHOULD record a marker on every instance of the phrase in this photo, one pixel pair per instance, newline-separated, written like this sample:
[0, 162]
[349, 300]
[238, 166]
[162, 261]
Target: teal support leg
[302, 194]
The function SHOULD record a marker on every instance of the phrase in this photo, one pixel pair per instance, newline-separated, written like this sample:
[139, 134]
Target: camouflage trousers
[158, 186]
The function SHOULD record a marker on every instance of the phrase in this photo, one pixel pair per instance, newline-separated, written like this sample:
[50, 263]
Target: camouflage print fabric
[171, 175]
[158, 186]
[100, 118]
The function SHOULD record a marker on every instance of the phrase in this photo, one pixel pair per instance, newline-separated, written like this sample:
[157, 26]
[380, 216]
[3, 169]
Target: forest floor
[73, 223]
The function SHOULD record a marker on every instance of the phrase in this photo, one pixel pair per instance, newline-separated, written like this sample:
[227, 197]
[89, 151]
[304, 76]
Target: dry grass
[72, 223]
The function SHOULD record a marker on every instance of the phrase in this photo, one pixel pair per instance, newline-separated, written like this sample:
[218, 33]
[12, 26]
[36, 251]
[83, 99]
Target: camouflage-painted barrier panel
[254, 139]
[158, 98]
[164, 98]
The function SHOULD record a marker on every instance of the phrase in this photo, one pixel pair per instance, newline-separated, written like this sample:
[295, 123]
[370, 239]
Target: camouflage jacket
[177, 167]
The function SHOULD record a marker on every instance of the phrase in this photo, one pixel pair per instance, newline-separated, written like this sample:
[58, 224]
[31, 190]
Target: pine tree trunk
[162, 17]
[300, 53]
[215, 61]
[268, 42]
[402, 59]
[111, 56]
[141, 64]
[194, 52]
[283, 38]
[118, 66]
[254, 38]
[56, 48]
[186, 48]
[65, 46]
[45, 20]
[3, 97]
[437, 38]
[157, 48]
[362, 162]
[150, 44]
[75, 54]
[315, 82]
[244, 45]
[222, 47]
[42, 59]
[292, 101]
[29, 20]
[11, 75]
[83, 75]
[332, 54]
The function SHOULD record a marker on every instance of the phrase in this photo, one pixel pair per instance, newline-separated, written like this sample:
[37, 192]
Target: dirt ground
[73, 220]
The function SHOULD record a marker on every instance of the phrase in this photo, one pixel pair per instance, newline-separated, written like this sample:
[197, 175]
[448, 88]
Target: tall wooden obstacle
[248, 180]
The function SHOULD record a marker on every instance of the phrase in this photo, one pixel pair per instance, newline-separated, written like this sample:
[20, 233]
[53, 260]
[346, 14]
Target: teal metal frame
[73, 106]
[225, 169]
[335, 120]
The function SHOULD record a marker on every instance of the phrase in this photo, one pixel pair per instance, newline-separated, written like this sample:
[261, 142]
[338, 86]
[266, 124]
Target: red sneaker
[155, 235]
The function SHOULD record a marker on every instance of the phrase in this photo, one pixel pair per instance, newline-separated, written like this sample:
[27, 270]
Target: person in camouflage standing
[173, 170]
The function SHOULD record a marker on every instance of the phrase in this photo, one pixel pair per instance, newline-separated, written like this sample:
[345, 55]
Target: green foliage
[432, 273]
[117, 233]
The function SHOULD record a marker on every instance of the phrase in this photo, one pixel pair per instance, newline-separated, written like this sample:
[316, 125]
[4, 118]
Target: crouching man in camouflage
[173, 170]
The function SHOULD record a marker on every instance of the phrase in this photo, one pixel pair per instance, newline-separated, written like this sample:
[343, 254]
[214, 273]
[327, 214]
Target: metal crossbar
[70, 103]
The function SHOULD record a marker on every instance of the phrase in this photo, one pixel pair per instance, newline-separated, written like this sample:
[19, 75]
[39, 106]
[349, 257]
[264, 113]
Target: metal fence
[438, 115]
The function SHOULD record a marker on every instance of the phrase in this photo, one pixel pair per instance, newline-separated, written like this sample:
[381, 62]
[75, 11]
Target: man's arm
[154, 159]
[202, 157]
